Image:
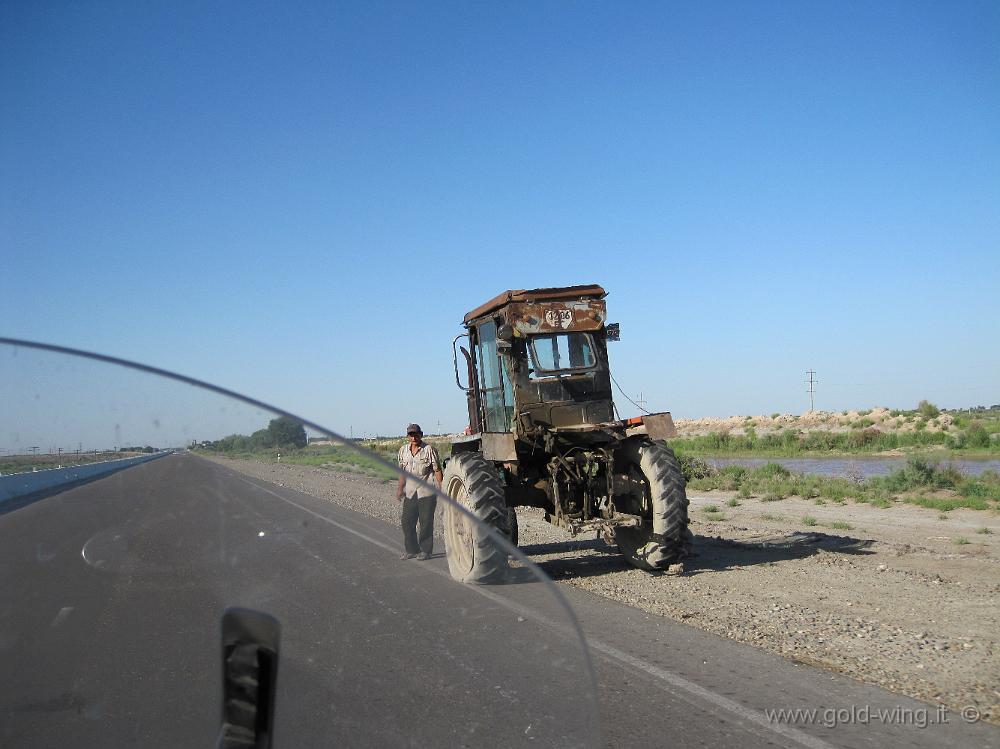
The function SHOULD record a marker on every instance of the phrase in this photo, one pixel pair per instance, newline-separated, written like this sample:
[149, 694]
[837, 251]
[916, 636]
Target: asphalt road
[109, 636]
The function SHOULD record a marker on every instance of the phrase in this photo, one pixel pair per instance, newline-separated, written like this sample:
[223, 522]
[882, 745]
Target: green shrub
[835, 491]
[947, 504]
[975, 488]
[809, 520]
[920, 473]
[984, 486]
[772, 470]
[928, 410]
[694, 468]
[821, 441]
[718, 440]
[731, 478]
[863, 438]
[975, 436]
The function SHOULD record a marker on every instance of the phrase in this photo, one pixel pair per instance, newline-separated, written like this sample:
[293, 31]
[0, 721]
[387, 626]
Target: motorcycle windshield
[183, 566]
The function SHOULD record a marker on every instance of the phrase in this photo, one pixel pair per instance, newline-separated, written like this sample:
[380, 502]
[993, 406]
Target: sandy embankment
[879, 418]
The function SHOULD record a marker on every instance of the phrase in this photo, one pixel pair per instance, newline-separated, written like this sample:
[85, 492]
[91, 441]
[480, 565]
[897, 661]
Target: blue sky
[300, 201]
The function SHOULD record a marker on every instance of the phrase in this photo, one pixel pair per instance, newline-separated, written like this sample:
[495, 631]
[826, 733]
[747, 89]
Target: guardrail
[21, 484]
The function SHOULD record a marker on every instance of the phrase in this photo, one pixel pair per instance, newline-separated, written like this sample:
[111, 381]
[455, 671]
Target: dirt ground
[892, 596]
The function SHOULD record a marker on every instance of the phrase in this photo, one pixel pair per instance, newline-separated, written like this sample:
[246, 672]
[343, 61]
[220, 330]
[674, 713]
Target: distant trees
[261, 438]
[280, 432]
[286, 431]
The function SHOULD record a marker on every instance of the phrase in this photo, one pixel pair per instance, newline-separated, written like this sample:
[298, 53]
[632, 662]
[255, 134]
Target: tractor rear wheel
[511, 526]
[664, 538]
[474, 556]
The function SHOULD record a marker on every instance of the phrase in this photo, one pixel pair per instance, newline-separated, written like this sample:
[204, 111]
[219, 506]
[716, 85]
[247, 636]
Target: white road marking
[64, 612]
[359, 534]
[748, 714]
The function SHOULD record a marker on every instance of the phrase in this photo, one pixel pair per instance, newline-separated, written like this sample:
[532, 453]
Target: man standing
[419, 459]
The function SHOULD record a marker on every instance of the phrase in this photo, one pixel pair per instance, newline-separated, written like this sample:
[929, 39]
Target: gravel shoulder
[889, 596]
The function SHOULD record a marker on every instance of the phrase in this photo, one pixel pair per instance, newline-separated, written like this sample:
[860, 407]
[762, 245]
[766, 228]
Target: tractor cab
[537, 359]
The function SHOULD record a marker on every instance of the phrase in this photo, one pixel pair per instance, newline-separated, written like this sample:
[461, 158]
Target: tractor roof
[590, 291]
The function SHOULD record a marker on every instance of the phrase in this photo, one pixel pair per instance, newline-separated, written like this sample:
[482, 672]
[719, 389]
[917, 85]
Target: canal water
[854, 466]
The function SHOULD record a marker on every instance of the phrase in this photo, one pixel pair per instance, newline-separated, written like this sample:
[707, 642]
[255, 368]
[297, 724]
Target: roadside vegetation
[919, 482]
[387, 447]
[331, 457]
[288, 438]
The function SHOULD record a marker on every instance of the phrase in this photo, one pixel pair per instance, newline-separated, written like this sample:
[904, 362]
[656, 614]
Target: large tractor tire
[511, 526]
[664, 538]
[474, 556]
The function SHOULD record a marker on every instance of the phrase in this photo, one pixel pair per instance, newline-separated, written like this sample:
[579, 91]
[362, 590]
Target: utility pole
[812, 389]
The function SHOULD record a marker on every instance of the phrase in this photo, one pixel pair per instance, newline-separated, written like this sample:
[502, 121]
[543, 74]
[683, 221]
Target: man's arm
[436, 462]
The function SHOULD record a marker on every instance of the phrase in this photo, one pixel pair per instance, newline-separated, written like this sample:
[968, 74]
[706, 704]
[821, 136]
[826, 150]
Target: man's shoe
[407, 555]
[423, 556]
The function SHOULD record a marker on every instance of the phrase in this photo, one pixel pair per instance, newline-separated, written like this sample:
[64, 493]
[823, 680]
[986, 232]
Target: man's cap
[414, 428]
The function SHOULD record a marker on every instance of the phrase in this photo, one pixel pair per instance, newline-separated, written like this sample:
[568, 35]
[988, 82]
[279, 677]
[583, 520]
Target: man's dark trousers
[421, 508]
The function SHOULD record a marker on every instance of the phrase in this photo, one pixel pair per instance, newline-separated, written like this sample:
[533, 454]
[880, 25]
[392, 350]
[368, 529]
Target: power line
[626, 397]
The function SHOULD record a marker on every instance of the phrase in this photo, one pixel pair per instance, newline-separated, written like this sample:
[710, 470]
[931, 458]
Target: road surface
[109, 636]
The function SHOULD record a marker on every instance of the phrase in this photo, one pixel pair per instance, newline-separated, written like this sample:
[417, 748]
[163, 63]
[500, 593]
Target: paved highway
[109, 637]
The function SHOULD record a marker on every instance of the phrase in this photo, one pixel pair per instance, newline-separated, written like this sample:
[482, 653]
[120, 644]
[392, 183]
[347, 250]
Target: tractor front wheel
[664, 538]
[474, 556]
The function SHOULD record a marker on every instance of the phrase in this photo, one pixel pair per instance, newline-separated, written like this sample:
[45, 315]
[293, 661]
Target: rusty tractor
[543, 433]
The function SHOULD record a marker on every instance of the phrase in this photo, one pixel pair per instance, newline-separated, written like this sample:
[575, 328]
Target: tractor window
[561, 352]
[493, 381]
